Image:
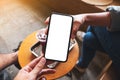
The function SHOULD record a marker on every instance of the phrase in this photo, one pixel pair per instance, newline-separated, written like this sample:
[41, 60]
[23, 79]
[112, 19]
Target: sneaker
[80, 35]
[81, 70]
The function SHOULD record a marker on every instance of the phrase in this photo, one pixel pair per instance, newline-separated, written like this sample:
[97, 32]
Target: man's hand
[33, 70]
[78, 21]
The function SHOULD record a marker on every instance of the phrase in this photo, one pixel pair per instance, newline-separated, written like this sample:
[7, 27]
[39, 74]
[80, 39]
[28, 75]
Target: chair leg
[102, 74]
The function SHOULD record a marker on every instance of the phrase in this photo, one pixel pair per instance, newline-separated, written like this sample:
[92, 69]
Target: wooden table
[25, 56]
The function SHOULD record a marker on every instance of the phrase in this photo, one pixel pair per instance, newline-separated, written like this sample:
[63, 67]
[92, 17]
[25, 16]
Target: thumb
[43, 78]
[47, 20]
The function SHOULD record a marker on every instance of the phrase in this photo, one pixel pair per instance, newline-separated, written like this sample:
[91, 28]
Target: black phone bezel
[69, 35]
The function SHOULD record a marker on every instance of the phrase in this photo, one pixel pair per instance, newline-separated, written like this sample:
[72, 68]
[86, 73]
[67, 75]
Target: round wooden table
[25, 56]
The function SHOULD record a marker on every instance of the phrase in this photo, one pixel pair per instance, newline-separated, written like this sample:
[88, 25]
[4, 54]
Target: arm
[94, 19]
[7, 59]
[98, 19]
[34, 70]
[109, 19]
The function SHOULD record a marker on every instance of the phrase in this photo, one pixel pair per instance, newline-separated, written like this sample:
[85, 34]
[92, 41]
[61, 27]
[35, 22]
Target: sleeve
[115, 18]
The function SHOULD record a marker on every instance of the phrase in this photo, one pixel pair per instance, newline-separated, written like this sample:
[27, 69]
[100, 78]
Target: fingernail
[43, 60]
[43, 78]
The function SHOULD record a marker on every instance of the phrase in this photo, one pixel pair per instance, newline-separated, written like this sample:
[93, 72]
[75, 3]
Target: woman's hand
[78, 21]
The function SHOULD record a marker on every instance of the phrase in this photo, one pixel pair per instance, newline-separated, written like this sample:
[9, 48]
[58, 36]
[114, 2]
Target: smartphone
[58, 39]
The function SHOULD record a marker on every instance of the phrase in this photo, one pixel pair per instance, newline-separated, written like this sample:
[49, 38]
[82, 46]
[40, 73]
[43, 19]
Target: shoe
[81, 70]
[80, 35]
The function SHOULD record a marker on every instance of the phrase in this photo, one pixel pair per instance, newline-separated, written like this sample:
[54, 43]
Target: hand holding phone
[58, 39]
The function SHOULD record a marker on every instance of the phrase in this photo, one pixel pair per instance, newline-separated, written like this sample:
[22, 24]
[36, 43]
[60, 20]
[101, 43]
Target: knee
[89, 39]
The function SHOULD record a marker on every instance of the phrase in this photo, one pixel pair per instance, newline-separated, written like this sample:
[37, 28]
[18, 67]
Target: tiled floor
[17, 21]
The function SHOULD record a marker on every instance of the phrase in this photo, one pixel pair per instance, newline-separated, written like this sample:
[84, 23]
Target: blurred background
[19, 18]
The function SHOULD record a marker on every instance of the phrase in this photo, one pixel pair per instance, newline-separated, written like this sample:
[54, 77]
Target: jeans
[99, 38]
[4, 75]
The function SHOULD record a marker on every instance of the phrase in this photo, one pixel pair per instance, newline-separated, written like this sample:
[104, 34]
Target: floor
[19, 18]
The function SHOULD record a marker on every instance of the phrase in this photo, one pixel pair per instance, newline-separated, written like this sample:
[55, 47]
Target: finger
[72, 36]
[38, 68]
[42, 78]
[42, 54]
[46, 30]
[47, 20]
[32, 64]
[73, 33]
[47, 71]
[75, 29]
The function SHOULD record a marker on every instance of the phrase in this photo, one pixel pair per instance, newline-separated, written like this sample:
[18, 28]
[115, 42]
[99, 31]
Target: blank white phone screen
[58, 37]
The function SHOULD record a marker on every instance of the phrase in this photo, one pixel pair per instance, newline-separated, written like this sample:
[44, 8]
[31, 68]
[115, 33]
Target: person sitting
[103, 34]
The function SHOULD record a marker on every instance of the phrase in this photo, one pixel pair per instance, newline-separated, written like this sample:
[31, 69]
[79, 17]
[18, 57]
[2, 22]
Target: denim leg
[89, 46]
[4, 75]
[110, 41]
